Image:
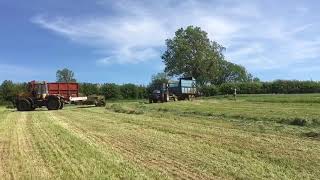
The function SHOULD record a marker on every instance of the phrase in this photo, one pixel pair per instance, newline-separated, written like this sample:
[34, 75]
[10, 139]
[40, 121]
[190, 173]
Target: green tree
[142, 92]
[255, 79]
[110, 91]
[129, 91]
[159, 78]
[8, 90]
[230, 72]
[89, 89]
[191, 53]
[65, 75]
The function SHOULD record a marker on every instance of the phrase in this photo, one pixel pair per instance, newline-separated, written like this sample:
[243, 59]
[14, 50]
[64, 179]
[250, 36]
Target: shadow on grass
[85, 107]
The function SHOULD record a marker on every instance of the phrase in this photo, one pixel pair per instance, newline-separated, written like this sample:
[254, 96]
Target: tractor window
[41, 89]
[38, 89]
[156, 92]
[44, 89]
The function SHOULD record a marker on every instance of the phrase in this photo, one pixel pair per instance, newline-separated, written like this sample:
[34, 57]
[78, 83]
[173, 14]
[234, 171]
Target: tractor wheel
[32, 105]
[53, 104]
[23, 105]
[61, 105]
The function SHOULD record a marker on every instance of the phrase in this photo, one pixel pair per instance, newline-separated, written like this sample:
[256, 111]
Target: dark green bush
[110, 91]
[275, 87]
[299, 122]
[209, 90]
[88, 89]
[312, 135]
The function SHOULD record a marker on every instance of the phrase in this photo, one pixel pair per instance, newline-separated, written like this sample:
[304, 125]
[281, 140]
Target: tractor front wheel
[23, 105]
[53, 104]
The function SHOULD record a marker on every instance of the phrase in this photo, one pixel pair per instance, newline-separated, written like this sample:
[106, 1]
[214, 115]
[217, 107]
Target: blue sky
[122, 41]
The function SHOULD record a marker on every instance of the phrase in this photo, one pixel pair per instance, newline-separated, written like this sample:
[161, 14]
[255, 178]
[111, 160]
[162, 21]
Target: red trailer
[66, 90]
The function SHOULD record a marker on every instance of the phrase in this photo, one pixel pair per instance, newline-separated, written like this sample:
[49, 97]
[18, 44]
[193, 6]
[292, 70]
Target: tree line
[112, 91]
[115, 91]
[274, 87]
[9, 90]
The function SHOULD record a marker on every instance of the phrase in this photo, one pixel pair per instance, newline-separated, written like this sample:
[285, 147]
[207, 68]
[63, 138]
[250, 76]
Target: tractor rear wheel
[53, 104]
[61, 105]
[23, 105]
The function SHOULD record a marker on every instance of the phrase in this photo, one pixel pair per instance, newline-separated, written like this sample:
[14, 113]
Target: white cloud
[256, 37]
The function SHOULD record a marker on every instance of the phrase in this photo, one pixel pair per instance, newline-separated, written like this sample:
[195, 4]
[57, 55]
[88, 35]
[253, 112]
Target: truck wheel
[23, 105]
[53, 104]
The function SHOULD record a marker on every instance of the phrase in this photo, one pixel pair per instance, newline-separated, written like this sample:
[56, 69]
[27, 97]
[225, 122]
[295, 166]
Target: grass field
[255, 137]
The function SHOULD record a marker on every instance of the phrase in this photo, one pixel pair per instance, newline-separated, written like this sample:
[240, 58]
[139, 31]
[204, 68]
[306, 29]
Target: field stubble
[202, 139]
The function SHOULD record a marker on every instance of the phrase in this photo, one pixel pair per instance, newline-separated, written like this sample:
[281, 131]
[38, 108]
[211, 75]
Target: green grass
[255, 137]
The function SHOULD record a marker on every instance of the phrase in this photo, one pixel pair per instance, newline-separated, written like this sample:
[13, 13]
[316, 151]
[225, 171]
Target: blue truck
[184, 88]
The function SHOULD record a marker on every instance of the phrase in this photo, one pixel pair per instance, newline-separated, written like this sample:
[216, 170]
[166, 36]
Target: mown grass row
[297, 118]
[282, 98]
[300, 114]
[40, 148]
[219, 148]
[202, 139]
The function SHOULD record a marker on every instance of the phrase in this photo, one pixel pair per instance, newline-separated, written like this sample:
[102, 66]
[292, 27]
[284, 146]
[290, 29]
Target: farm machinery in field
[53, 96]
[183, 89]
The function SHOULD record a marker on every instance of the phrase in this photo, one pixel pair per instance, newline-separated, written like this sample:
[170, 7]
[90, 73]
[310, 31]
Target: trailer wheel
[102, 103]
[53, 104]
[23, 105]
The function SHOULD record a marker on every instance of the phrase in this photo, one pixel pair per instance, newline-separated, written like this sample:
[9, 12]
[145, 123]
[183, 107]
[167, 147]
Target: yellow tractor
[37, 96]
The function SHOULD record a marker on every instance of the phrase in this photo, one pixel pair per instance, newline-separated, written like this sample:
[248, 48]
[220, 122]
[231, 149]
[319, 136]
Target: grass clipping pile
[121, 108]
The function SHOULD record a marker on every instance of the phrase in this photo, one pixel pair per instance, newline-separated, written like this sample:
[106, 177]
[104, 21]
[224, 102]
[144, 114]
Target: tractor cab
[38, 89]
[160, 93]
